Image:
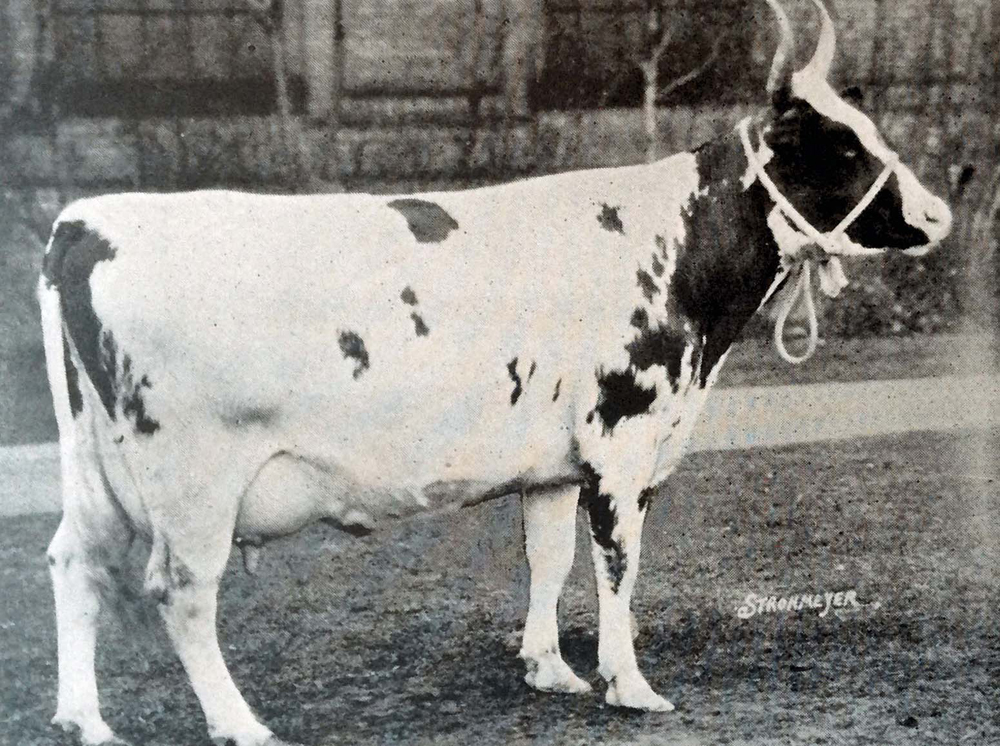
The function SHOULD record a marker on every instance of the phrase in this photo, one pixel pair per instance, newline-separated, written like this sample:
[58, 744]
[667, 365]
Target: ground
[411, 635]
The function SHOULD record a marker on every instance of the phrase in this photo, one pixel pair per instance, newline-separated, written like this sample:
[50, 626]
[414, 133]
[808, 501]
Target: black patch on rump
[353, 348]
[621, 396]
[603, 521]
[512, 371]
[72, 381]
[609, 219]
[74, 252]
[408, 296]
[419, 326]
[133, 405]
[428, 221]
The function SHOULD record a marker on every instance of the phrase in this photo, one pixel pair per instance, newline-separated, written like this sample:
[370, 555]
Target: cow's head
[828, 159]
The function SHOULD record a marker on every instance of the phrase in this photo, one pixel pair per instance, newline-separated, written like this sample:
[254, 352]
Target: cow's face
[827, 155]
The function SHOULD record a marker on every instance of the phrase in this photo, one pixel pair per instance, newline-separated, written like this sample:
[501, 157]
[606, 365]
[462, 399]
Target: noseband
[833, 242]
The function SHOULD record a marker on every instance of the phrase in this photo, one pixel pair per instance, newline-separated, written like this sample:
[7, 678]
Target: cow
[227, 368]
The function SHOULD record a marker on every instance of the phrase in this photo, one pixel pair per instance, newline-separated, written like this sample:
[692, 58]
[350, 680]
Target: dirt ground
[411, 635]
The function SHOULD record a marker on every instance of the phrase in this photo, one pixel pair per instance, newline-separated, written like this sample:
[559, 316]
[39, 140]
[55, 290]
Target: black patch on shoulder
[640, 318]
[660, 346]
[419, 326]
[609, 219]
[408, 296]
[74, 252]
[729, 257]
[72, 382]
[512, 371]
[647, 284]
[428, 221]
[555, 394]
[621, 396]
[133, 405]
[658, 267]
[353, 347]
[603, 521]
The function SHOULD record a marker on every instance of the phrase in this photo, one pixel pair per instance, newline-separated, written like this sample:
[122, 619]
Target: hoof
[269, 741]
[635, 694]
[89, 732]
[551, 674]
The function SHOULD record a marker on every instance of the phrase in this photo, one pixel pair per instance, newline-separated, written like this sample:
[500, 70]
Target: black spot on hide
[419, 326]
[428, 221]
[353, 348]
[621, 396]
[408, 296]
[609, 219]
[512, 371]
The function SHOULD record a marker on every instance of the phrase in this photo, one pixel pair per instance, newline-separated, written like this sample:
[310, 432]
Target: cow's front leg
[549, 542]
[616, 534]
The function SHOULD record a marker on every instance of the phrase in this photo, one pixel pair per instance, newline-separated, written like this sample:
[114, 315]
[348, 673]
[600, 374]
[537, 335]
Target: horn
[823, 56]
[781, 68]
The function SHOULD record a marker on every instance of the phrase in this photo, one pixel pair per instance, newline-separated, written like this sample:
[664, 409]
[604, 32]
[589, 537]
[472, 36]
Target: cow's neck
[729, 258]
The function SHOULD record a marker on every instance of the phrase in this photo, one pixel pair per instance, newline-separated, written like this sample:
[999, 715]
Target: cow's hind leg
[84, 555]
[616, 533]
[549, 542]
[189, 554]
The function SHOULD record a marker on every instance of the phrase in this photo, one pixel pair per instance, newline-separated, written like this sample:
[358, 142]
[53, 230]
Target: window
[166, 57]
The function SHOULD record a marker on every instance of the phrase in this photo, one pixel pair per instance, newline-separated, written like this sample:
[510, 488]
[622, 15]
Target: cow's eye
[851, 154]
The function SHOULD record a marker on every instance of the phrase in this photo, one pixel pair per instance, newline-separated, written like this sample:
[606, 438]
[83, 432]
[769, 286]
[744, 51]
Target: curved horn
[823, 56]
[781, 68]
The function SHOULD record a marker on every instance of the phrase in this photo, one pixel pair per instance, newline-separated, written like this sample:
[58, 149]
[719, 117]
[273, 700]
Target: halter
[802, 233]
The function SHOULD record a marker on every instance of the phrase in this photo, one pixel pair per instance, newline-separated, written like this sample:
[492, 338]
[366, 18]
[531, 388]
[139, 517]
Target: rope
[794, 234]
[803, 289]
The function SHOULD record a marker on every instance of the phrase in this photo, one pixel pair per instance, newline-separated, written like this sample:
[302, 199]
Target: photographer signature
[754, 604]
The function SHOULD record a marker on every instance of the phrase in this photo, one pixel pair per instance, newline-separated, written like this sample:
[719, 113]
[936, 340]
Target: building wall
[425, 90]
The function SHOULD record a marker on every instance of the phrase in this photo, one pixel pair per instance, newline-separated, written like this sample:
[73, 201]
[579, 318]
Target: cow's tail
[120, 587]
[53, 336]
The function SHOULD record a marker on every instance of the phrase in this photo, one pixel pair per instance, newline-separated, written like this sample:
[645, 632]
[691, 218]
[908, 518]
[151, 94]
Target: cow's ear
[782, 101]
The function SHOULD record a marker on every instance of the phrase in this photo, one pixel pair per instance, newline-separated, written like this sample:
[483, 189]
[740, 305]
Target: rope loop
[802, 289]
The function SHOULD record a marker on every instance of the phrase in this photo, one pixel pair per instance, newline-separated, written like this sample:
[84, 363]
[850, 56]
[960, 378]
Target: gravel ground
[410, 635]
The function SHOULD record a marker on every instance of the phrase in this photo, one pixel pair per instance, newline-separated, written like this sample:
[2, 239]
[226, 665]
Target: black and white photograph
[488, 372]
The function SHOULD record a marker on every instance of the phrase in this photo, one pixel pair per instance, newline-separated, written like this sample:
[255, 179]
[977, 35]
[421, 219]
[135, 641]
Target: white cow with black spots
[229, 367]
